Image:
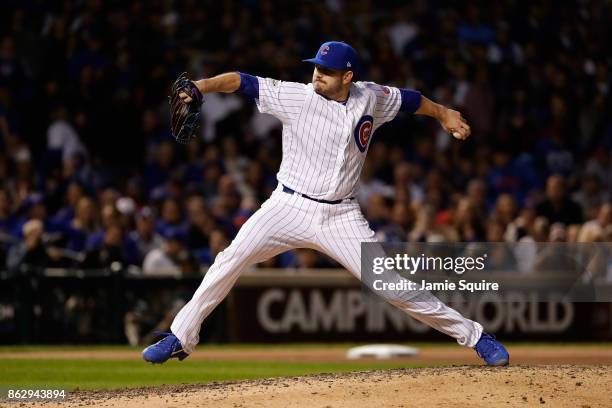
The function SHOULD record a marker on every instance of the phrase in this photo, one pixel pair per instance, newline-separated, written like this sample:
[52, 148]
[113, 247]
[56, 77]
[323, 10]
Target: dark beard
[328, 98]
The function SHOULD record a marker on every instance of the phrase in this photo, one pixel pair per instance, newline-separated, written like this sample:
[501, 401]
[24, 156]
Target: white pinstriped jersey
[324, 148]
[325, 142]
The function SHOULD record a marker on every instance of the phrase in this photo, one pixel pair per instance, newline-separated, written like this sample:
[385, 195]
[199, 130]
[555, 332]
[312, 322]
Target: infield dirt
[465, 386]
[580, 377]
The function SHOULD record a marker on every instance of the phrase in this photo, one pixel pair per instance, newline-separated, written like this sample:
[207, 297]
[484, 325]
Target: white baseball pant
[287, 221]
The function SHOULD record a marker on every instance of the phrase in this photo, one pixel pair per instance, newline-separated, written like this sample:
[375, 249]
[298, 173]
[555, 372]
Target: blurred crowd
[90, 176]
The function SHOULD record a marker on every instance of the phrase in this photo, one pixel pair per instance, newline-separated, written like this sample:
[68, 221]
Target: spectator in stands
[477, 193]
[406, 177]
[604, 217]
[144, 236]
[378, 212]
[74, 193]
[218, 242]
[32, 207]
[171, 216]
[424, 227]
[558, 206]
[62, 137]
[109, 217]
[32, 252]
[591, 195]
[113, 251]
[84, 224]
[172, 259]
[201, 223]
[126, 207]
[226, 207]
[505, 210]
[306, 258]
[402, 221]
[468, 222]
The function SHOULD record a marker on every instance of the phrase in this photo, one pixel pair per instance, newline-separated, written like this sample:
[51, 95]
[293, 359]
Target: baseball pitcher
[327, 128]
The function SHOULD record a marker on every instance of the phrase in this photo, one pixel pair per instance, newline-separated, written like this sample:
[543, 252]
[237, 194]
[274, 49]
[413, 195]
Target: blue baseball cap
[336, 55]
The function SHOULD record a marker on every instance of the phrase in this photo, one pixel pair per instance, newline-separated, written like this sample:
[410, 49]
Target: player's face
[330, 82]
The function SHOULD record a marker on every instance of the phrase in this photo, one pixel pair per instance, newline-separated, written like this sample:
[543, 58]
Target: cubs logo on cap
[335, 55]
[363, 132]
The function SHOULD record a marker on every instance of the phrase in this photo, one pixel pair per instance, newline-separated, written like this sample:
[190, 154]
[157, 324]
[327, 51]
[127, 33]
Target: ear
[347, 77]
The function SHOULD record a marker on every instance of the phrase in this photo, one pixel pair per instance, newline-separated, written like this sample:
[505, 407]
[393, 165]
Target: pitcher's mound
[557, 386]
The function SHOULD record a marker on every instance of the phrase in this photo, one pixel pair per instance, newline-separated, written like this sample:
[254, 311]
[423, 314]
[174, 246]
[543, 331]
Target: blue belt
[292, 191]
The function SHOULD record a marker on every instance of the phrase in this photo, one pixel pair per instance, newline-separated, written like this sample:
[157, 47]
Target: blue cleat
[168, 347]
[492, 351]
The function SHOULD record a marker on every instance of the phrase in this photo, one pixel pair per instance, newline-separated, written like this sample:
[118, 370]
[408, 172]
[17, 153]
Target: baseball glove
[185, 117]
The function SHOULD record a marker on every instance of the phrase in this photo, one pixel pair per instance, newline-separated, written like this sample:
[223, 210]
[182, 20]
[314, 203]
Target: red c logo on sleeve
[363, 132]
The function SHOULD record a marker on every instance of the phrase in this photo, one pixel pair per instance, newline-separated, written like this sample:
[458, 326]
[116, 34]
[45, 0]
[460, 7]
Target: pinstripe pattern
[288, 221]
[341, 237]
[321, 158]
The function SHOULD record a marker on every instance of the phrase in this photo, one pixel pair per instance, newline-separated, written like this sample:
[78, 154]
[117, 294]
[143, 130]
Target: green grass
[98, 374]
[108, 374]
[285, 346]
